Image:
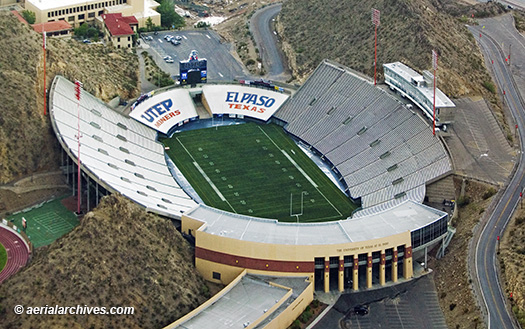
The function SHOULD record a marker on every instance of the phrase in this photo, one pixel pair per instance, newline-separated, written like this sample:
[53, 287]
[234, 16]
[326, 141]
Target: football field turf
[256, 170]
[47, 223]
[3, 257]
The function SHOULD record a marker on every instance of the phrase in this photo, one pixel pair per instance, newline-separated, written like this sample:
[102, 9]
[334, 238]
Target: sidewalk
[145, 85]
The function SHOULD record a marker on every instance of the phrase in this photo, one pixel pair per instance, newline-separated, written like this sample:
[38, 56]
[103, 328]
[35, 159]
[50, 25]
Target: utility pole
[78, 93]
[510, 48]
[44, 46]
[376, 21]
[435, 66]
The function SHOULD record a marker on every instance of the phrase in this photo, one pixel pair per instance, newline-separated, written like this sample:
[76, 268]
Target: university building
[119, 30]
[76, 12]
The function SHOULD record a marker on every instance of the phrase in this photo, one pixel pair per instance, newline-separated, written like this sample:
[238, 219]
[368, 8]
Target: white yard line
[299, 168]
[302, 171]
[209, 181]
[205, 176]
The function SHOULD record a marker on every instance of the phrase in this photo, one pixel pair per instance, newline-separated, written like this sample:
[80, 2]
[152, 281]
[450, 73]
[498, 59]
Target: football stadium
[282, 193]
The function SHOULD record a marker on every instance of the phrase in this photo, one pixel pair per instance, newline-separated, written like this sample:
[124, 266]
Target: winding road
[486, 274]
[261, 26]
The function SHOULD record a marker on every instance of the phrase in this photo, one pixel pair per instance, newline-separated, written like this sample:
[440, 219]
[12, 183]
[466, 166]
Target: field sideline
[256, 170]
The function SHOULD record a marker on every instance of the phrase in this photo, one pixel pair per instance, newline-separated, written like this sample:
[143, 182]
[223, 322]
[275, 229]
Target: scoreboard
[193, 70]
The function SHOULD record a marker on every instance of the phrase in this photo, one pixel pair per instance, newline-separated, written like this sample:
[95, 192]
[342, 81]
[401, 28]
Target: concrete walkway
[145, 85]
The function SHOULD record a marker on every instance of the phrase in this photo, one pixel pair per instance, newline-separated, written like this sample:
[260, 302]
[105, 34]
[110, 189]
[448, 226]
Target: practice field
[3, 257]
[256, 170]
[47, 223]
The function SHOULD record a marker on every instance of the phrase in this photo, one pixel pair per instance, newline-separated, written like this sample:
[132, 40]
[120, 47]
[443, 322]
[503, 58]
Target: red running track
[17, 253]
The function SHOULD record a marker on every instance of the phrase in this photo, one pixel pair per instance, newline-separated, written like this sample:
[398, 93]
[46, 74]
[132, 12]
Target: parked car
[361, 310]
[86, 41]
[169, 60]
[175, 42]
[178, 37]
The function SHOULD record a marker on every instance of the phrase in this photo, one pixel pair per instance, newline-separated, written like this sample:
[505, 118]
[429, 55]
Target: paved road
[486, 267]
[515, 3]
[261, 26]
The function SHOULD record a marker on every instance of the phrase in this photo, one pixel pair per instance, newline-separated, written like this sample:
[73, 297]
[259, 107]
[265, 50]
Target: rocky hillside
[512, 258]
[342, 31]
[27, 143]
[117, 256]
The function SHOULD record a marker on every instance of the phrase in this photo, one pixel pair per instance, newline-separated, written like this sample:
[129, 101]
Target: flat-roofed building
[119, 30]
[418, 88]
[76, 12]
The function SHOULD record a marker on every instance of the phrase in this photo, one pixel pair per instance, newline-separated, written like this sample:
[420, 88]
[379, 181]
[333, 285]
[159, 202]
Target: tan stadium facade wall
[292, 312]
[282, 320]
[218, 256]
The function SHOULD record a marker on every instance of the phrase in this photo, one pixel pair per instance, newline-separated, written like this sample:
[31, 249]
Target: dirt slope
[343, 31]
[27, 143]
[512, 258]
[117, 256]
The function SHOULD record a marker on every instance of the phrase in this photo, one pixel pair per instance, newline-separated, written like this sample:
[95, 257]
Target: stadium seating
[384, 152]
[117, 150]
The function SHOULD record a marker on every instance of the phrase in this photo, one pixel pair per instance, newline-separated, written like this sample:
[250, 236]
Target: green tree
[81, 31]
[168, 16]
[29, 16]
[149, 24]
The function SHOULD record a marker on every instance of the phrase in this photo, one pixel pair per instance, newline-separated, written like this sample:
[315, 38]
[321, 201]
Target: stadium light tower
[78, 93]
[434, 66]
[375, 20]
[44, 49]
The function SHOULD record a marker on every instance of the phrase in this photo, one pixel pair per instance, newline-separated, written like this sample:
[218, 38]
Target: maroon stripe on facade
[356, 263]
[253, 263]
[341, 265]
[394, 259]
[327, 266]
[383, 259]
[369, 261]
[408, 252]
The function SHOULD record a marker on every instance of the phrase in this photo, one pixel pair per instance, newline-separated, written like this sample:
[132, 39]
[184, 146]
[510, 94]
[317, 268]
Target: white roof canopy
[241, 100]
[166, 110]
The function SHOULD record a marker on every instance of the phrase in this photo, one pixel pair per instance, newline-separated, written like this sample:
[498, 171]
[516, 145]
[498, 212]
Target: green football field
[256, 170]
[3, 257]
[47, 223]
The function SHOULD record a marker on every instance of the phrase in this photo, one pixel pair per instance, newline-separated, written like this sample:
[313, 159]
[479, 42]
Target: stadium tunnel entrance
[362, 271]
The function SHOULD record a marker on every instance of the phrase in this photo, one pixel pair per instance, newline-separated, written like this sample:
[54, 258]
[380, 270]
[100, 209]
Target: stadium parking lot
[222, 65]
[410, 305]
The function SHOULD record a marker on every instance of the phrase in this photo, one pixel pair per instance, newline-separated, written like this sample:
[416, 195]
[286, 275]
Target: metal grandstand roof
[117, 150]
[407, 216]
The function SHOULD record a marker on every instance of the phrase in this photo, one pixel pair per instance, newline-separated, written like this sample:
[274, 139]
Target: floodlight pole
[434, 65]
[44, 49]
[78, 91]
[375, 20]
